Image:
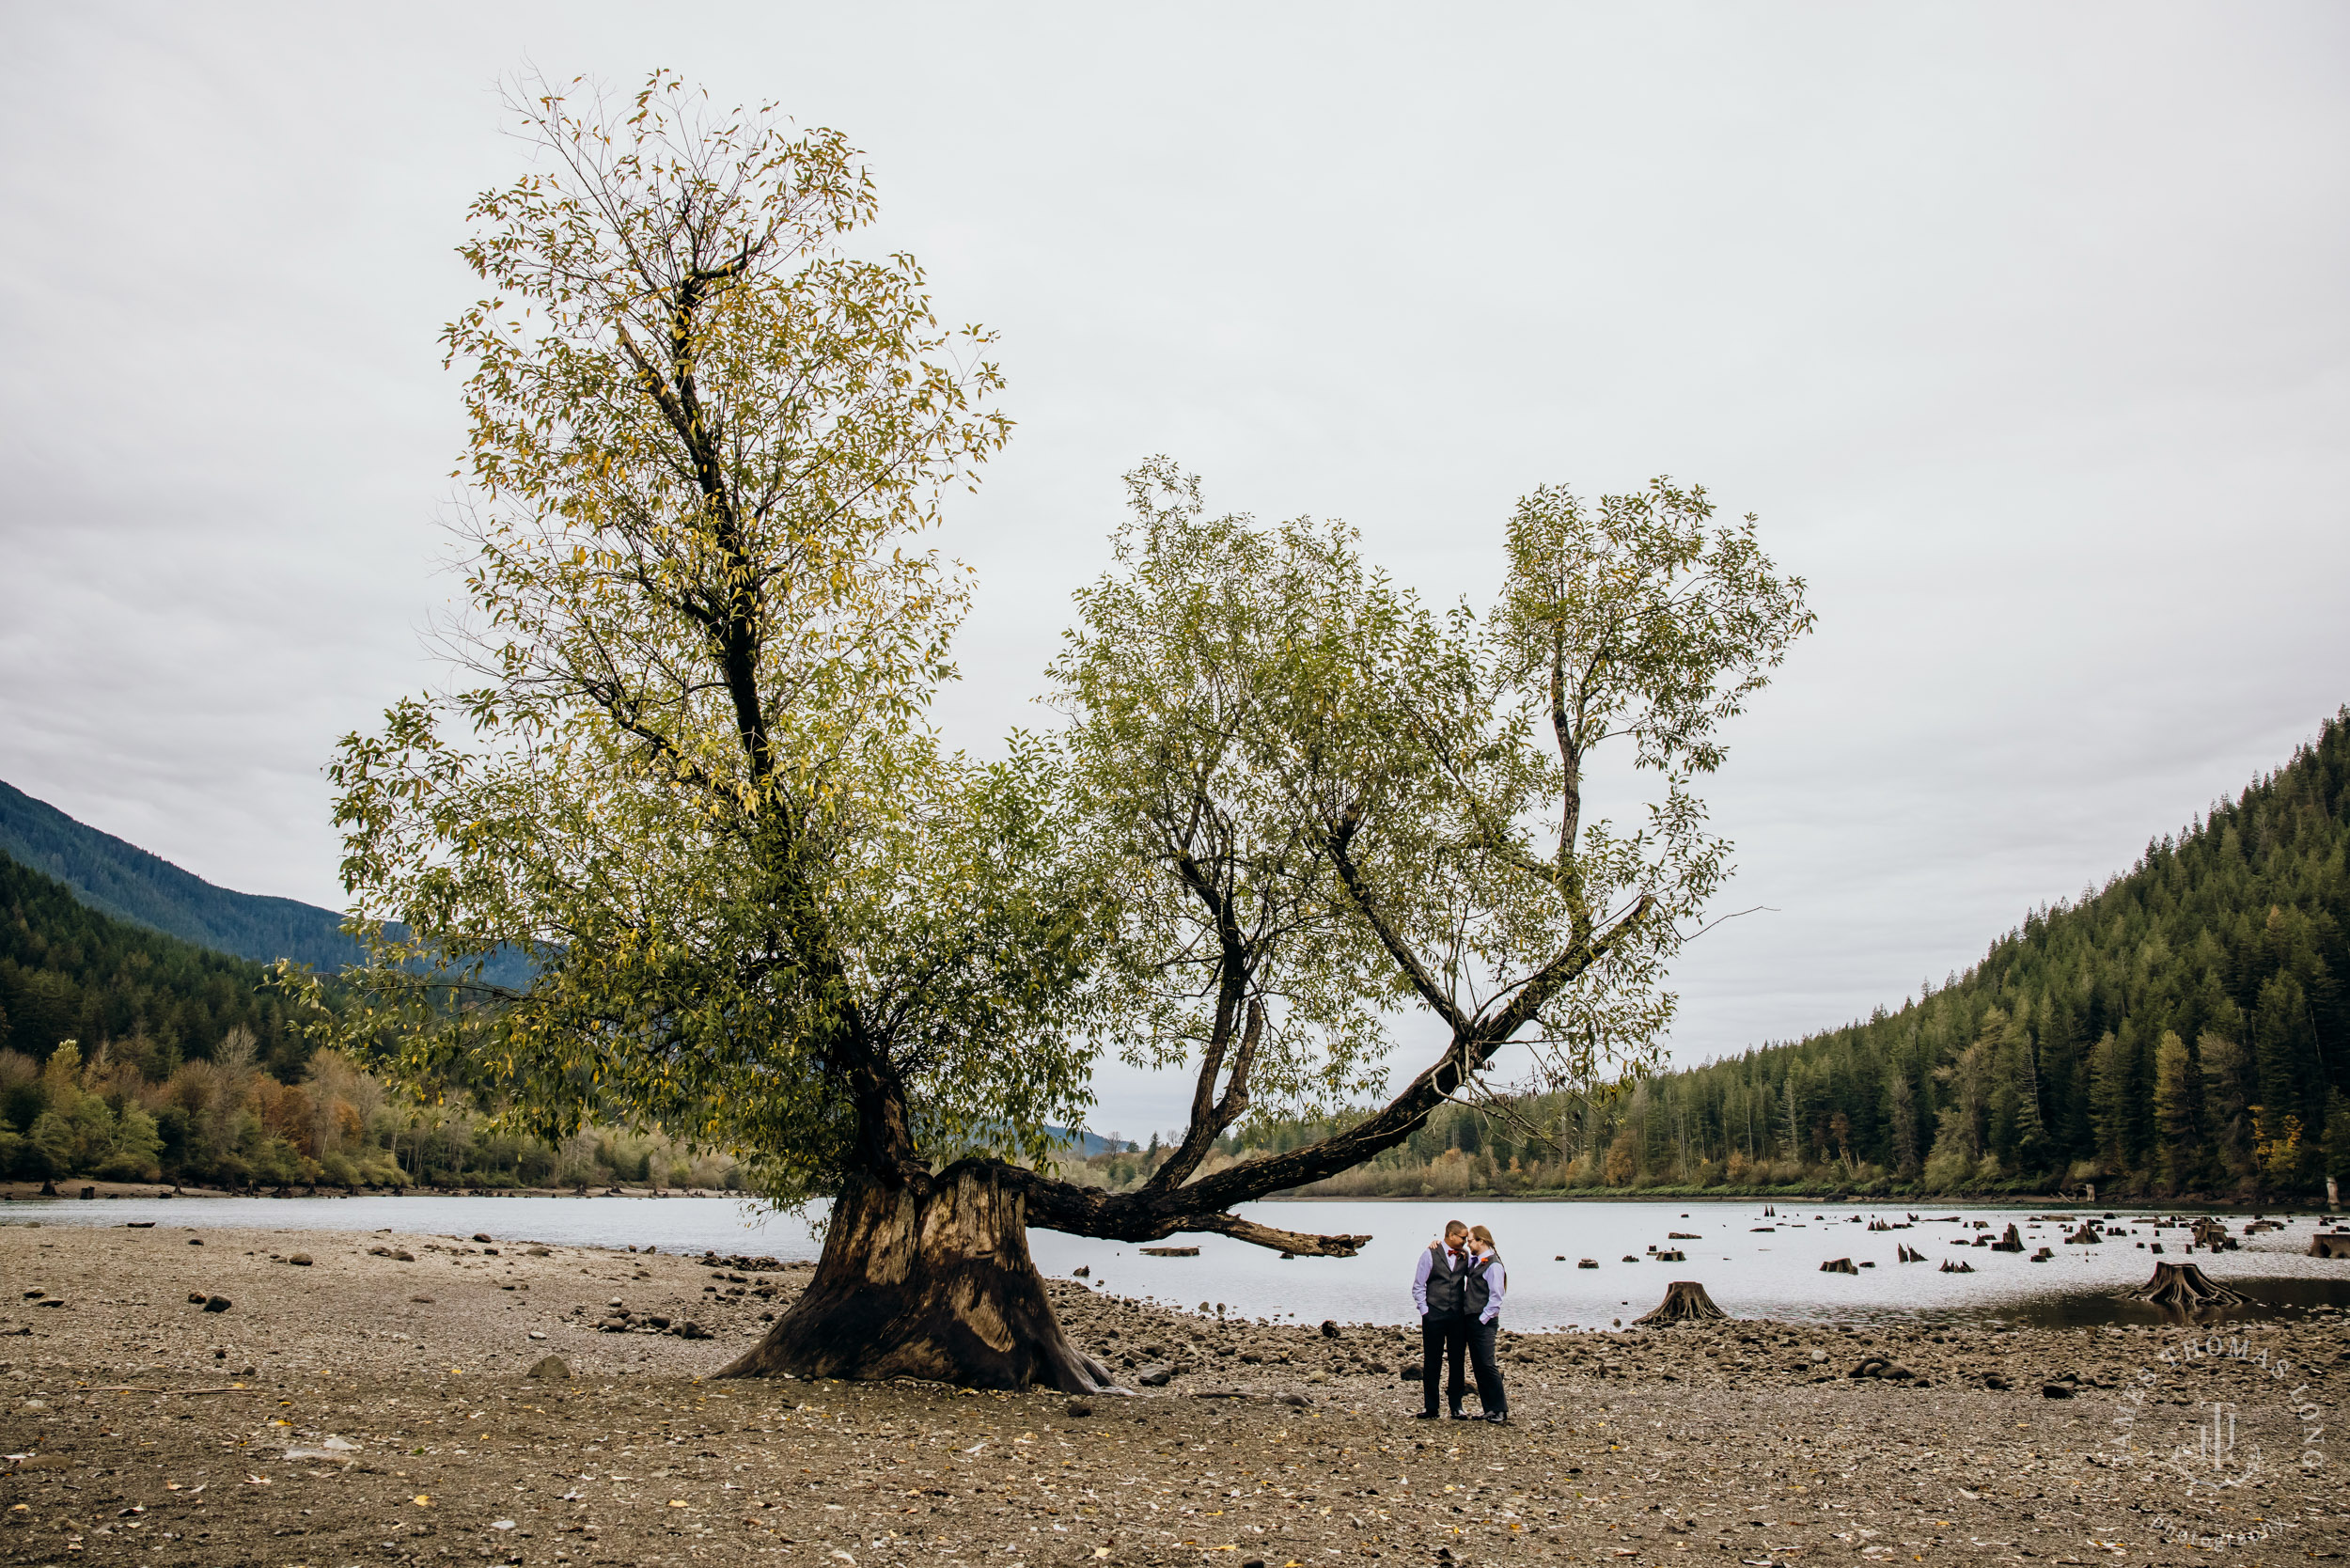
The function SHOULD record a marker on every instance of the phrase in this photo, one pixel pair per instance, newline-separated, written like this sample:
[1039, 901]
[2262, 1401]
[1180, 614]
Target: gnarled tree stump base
[1685, 1301]
[2185, 1285]
[932, 1282]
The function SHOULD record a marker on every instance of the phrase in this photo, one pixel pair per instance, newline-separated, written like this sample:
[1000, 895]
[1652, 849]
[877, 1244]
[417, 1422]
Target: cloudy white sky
[2024, 328]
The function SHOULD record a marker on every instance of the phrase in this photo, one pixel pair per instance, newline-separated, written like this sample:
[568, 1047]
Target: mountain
[120, 879]
[124, 880]
[2184, 1031]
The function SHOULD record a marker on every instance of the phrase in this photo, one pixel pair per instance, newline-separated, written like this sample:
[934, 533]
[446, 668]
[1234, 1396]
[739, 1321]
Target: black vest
[1446, 1297]
[1476, 1293]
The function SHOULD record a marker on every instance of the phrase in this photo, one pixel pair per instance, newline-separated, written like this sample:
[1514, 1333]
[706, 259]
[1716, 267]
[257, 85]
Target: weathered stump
[2011, 1242]
[1685, 1301]
[1837, 1266]
[2185, 1285]
[2330, 1243]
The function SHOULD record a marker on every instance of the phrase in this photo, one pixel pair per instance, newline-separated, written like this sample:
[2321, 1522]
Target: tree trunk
[927, 1279]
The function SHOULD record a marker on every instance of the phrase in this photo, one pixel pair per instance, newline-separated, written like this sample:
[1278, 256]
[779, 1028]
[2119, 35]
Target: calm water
[1751, 1271]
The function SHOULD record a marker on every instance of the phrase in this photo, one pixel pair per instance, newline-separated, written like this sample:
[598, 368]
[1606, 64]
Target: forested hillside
[2186, 1030]
[129, 1054]
[120, 879]
[67, 972]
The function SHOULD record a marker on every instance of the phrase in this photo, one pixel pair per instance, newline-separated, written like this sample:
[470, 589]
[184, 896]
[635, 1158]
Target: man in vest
[1439, 1287]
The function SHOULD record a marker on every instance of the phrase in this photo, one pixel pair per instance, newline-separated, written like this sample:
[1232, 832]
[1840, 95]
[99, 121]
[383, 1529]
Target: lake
[1752, 1264]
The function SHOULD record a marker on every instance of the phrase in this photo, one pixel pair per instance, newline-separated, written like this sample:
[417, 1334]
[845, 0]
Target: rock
[334, 1451]
[1992, 1380]
[1155, 1376]
[217, 1304]
[1329, 1328]
[2056, 1390]
[692, 1331]
[1079, 1407]
[196, 1241]
[480, 1237]
[1295, 1402]
[552, 1367]
[300, 1259]
[1083, 1270]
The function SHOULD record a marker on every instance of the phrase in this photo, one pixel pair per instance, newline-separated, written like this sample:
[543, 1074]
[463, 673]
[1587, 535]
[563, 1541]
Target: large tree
[688, 768]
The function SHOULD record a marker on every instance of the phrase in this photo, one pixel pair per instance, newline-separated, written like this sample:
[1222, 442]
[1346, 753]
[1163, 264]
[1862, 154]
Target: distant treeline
[2183, 1031]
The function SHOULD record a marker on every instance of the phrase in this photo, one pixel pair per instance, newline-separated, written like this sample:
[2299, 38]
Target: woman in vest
[1481, 1291]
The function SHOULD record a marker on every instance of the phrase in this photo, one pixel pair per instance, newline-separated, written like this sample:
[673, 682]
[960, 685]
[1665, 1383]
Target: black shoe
[1499, 1417]
[1458, 1414]
[1423, 1415]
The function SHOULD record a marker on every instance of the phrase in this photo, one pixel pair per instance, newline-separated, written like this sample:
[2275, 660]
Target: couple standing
[1458, 1289]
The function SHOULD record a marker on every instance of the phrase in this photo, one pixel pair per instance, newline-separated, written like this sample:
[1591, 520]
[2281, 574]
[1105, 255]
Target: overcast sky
[2024, 329]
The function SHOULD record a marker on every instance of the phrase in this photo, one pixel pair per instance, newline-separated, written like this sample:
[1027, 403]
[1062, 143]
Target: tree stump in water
[2330, 1243]
[1685, 1301]
[2185, 1285]
[1837, 1266]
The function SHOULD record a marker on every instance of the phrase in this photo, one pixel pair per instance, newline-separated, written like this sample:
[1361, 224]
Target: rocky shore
[381, 1397]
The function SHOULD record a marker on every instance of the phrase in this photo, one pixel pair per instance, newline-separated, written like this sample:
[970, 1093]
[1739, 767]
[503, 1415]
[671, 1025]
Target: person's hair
[1481, 1233]
[1454, 1228]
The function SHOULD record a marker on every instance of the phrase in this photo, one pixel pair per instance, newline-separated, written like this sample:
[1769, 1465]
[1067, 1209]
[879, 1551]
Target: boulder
[1155, 1376]
[552, 1367]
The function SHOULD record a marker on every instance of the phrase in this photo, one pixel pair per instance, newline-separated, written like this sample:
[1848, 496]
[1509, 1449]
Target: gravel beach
[322, 1397]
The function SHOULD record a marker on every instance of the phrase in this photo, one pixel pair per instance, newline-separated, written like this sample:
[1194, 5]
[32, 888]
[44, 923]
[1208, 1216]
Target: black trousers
[1443, 1339]
[1481, 1347]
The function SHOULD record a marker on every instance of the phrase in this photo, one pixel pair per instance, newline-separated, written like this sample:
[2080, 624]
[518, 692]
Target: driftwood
[1169, 1251]
[2185, 1285]
[1685, 1301]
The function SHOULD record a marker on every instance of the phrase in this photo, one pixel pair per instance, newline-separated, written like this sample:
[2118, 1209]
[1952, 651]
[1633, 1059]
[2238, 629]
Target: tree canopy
[688, 766]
